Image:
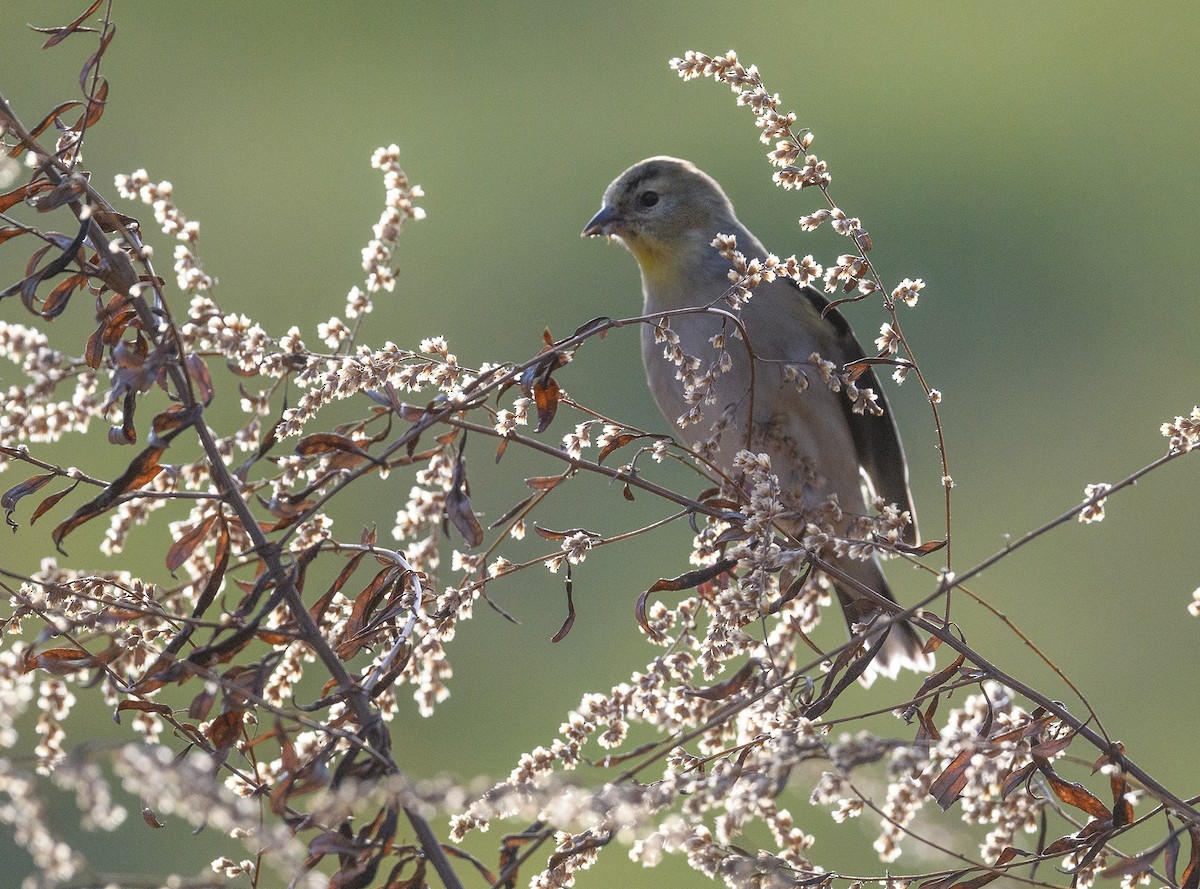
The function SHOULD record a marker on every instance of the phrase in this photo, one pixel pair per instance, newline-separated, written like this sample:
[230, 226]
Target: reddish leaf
[1191, 873]
[1075, 795]
[324, 442]
[93, 353]
[111, 221]
[1061, 845]
[59, 34]
[1126, 867]
[96, 103]
[948, 786]
[56, 301]
[364, 606]
[68, 189]
[183, 548]
[150, 818]
[927, 730]
[65, 661]
[1051, 748]
[225, 729]
[50, 502]
[140, 471]
[545, 482]
[616, 442]
[1109, 757]
[24, 193]
[943, 882]
[924, 549]
[545, 397]
[168, 424]
[141, 707]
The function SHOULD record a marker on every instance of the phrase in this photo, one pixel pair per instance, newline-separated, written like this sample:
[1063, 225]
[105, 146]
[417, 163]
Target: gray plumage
[667, 213]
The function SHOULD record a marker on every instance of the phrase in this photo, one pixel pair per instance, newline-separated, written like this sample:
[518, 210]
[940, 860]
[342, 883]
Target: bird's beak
[603, 223]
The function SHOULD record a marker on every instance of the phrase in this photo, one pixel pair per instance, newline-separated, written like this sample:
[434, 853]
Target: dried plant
[205, 668]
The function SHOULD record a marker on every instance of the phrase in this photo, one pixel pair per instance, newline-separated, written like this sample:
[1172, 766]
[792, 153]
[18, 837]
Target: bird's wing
[876, 439]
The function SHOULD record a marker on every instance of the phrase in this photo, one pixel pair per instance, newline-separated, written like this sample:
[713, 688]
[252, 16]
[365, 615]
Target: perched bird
[667, 213]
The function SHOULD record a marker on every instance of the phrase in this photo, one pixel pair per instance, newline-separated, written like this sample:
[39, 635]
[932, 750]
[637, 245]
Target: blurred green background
[1032, 161]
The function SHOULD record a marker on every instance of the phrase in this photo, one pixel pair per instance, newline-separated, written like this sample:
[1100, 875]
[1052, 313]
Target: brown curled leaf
[692, 578]
[570, 621]
[50, 502]
[1075, 794]
[138, 473]
[10, 497]
[616, 442]
[61, 33]
[183, 548]
[948, 786]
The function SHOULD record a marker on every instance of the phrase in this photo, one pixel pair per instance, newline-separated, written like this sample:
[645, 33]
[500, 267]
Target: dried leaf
[140, 471]
[59, 34]
[318, 609]
[693, 578]
[545, 397]
[617, 441]
[9, 500]
[1002, 859]
[24, 193]
[197, 371]
[56, 301]
[682, 582]
[183, 548]
[1191, 873]
[1075, 794]
[201, 705]
[545, 482]
[511, 513]
[50, 502]
[590, 328]
[1016, 778]
[1051, 748]
[948, 786]
[141, 707]
[458, 503]
[743, 678]
[225, 729]
[924, 549]
[150, 818]
[570, 621]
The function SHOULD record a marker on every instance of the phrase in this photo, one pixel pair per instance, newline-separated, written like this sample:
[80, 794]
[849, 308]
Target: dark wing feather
[876, 439]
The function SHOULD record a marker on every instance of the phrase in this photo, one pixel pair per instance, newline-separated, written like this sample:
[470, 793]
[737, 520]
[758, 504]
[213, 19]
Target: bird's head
[665, 211]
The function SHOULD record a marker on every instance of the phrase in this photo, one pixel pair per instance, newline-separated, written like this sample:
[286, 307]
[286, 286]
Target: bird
[668, 213]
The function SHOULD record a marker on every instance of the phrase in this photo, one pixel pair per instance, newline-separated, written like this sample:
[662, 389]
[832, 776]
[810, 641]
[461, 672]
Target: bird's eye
[648, 198]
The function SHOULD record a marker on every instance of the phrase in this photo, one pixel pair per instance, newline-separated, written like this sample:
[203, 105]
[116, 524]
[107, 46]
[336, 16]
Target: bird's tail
[902, 647]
